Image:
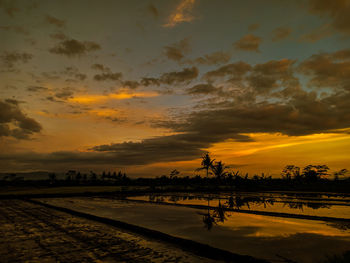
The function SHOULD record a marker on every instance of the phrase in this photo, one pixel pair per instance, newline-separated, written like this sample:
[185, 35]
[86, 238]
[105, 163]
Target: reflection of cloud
[181, 14]
[113, 96]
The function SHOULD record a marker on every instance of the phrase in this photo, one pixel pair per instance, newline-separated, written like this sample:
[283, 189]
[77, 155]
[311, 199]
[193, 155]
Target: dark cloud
[9, 7]
[51, 75]
[260, 78]
[130, 84]
[64, 93]
[281, 33]
[177, 51]
[72, 47]
[175, 77]
[74, 73]
[203, 89]
[253, 27]
[158, 149]
[218, 57]
[100, 67]
[36, 88]
[59, 36]
[304, 113]
[234, 71]
[55, 21]
[16, 29]
[272, 74]
[153, 10]
[10, 59]
[108, 76]
[328, 69]
[248, 43]
[337, 10]
[53, 99]
[150, 81]
[14, 123]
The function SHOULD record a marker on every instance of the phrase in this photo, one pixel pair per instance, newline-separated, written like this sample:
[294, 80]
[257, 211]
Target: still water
[273, 238]
[303, 204]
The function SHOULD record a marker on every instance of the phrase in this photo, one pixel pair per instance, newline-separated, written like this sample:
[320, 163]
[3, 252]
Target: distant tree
[174, 173]
[256, 177]
[206, 163]
[93, 176]
[70, 175]
[52, 178]
[219, 170]
[78, 176]
[291, 171]
[340, 173]
[313, 173]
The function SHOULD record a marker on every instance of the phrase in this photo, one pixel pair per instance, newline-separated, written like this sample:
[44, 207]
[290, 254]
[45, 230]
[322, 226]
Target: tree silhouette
[313, 173]
[206, 163]
[340, 173]
[174, 173]
[219, 170]
[52, 178]
[291, 171]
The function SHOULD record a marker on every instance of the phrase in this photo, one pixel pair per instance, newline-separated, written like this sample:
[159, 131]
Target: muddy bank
[33, 233]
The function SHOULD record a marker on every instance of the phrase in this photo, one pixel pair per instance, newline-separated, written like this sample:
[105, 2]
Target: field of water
[277, 227]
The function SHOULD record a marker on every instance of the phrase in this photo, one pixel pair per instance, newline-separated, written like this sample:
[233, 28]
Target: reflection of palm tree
[211, 218]
[207, 163]
[220, 212]
[208, 220]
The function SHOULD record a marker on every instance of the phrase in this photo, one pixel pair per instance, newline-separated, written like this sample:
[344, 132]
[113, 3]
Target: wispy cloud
[182, 13]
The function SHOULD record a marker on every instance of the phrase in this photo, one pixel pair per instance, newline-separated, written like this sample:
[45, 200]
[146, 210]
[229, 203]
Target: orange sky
[149, 87]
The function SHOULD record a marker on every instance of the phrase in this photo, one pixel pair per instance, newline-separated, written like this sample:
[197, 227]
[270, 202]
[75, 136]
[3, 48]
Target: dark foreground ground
[33, 233]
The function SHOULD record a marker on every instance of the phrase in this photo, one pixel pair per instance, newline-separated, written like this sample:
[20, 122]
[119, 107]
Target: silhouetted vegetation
[217, 177]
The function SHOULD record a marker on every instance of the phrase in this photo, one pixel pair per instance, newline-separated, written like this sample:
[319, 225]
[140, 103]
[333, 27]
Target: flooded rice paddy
[222, 221]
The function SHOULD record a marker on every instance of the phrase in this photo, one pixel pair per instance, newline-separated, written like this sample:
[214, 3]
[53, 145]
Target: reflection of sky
[334, 207]
[259, 236]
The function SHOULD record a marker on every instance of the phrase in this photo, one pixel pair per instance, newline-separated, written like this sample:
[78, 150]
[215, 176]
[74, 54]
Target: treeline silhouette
[217, 177]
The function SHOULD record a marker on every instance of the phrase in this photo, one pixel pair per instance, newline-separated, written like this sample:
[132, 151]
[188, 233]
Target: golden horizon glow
[124, 95]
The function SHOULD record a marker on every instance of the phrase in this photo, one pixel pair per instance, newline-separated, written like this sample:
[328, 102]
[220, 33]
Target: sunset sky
[149, 86]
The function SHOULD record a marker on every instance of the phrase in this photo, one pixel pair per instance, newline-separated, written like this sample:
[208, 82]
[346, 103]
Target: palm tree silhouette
[206, 163]
[219, 170]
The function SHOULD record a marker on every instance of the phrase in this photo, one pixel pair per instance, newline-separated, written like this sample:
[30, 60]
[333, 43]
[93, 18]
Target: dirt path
[33, 233]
